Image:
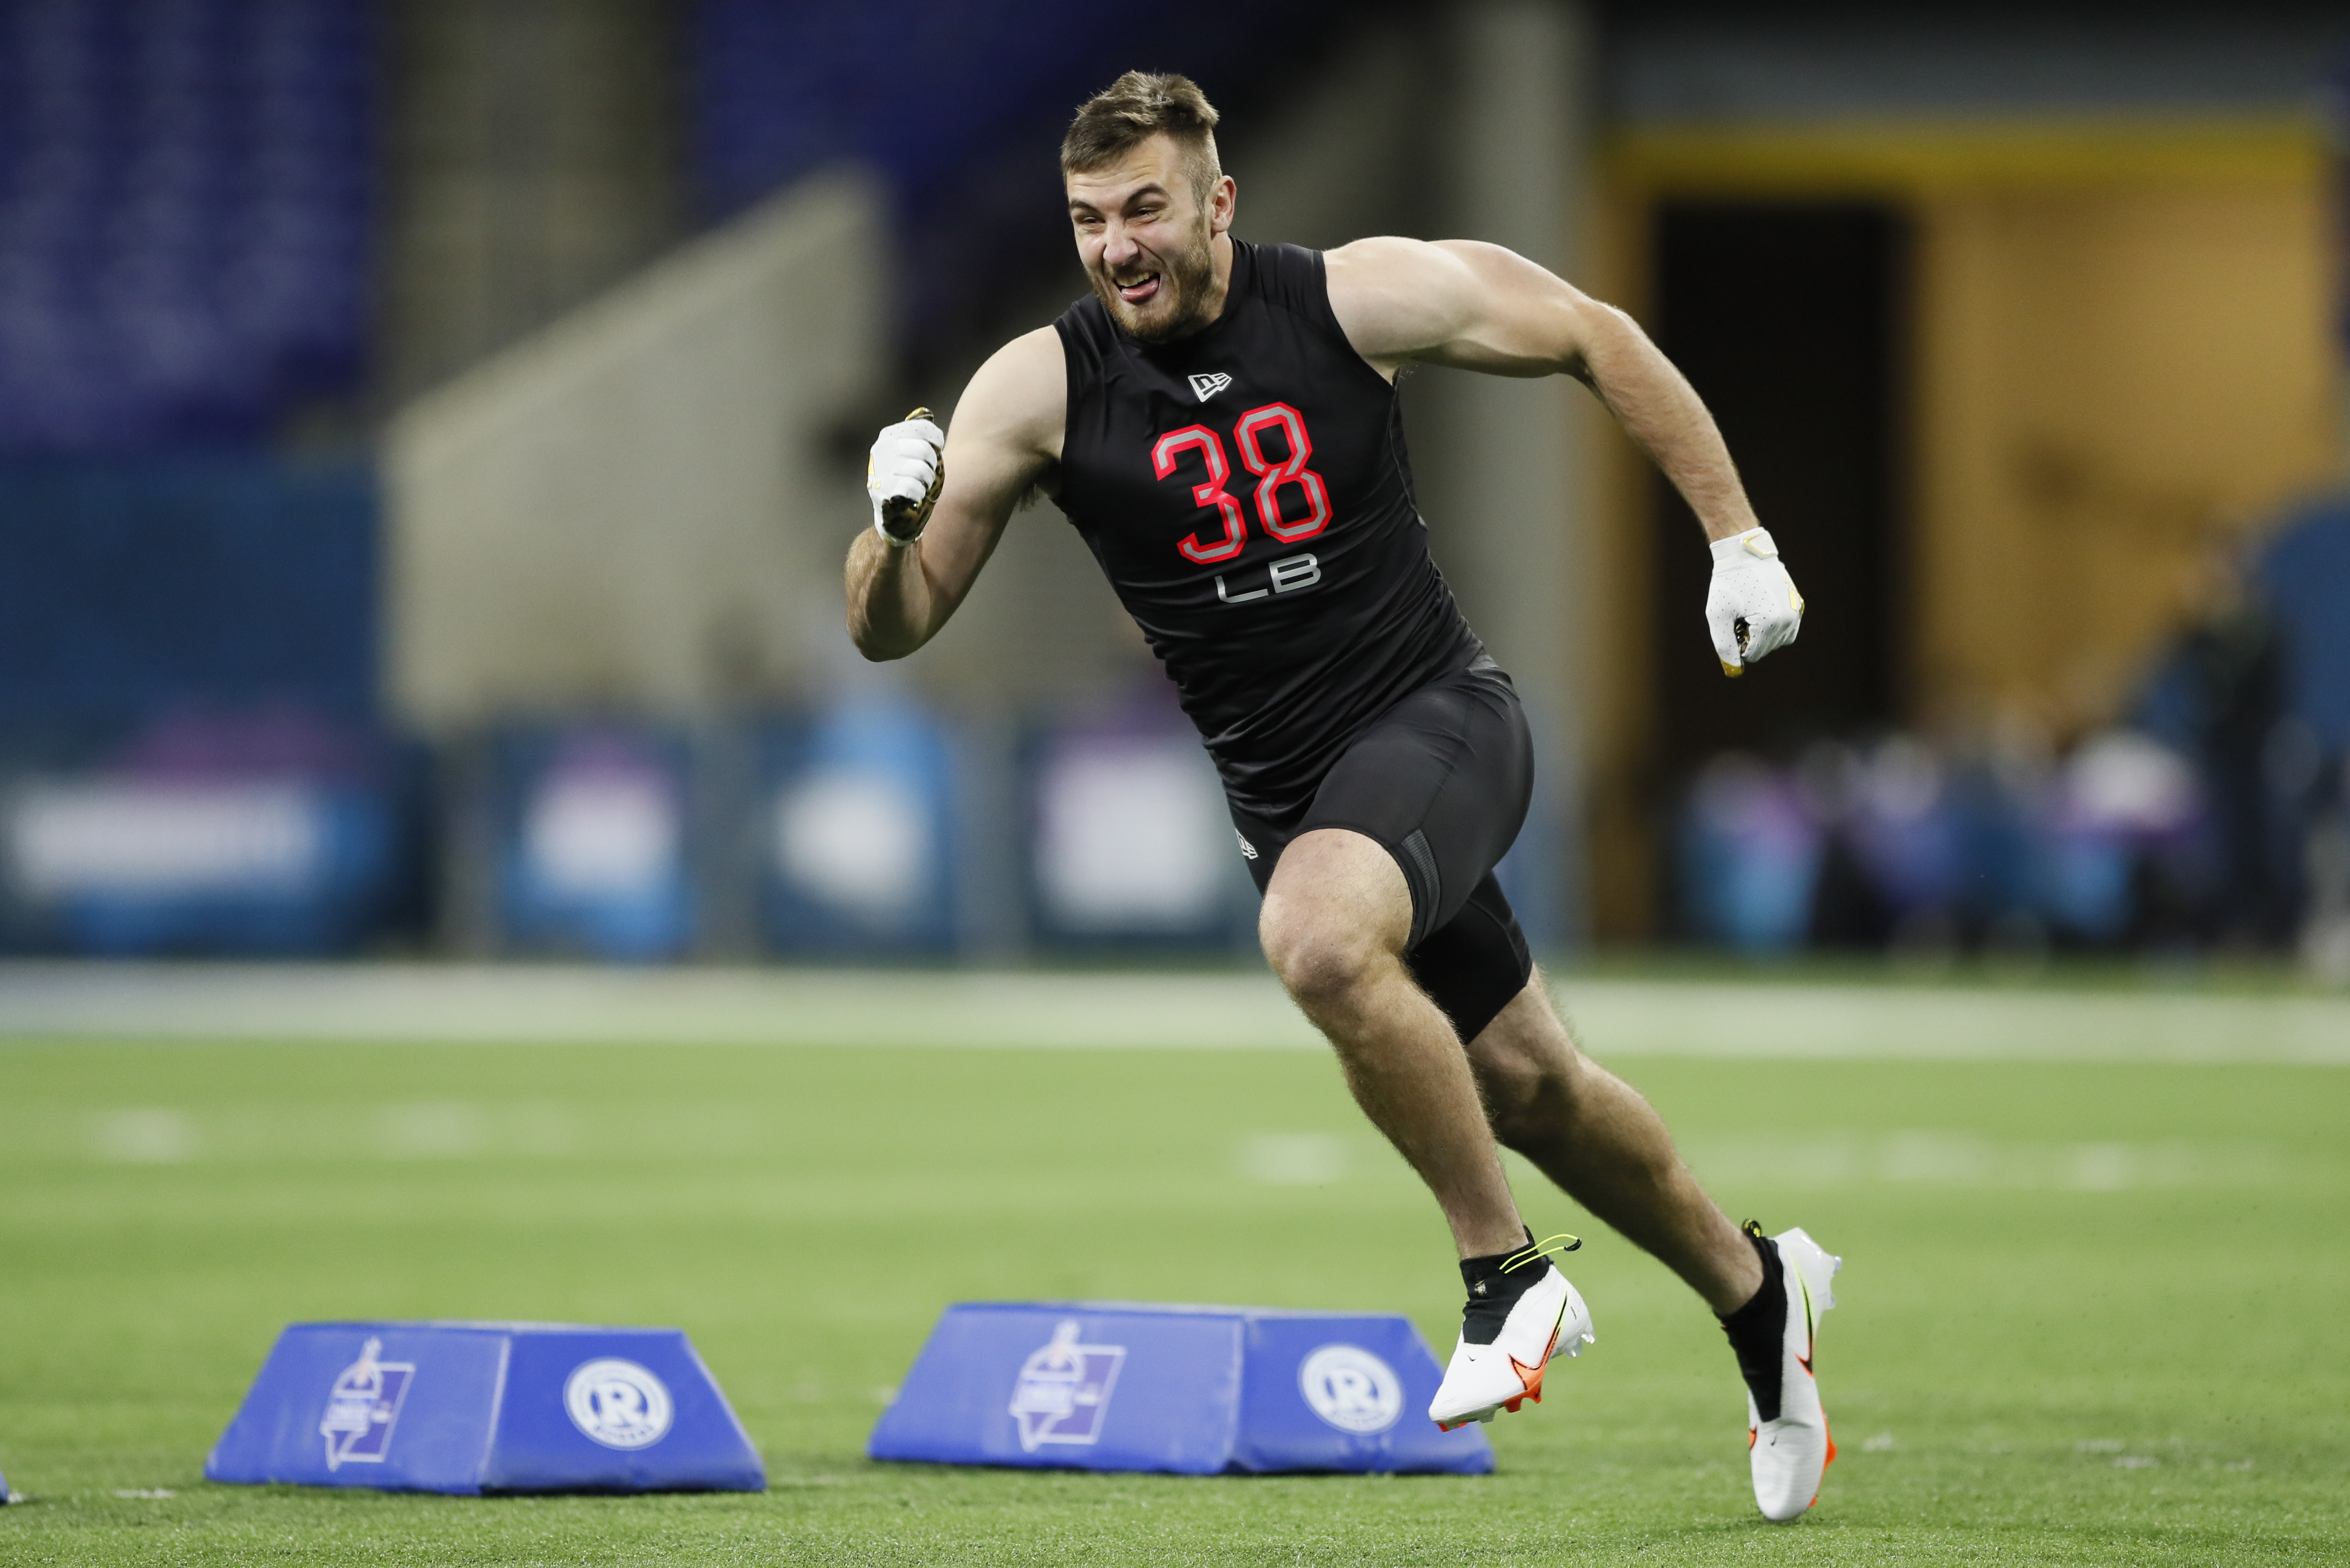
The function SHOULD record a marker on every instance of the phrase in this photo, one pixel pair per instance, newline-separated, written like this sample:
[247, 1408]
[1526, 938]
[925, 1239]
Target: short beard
[1184, 280]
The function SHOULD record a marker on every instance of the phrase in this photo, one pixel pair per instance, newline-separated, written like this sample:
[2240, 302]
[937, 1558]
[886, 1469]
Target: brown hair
[1137, 107]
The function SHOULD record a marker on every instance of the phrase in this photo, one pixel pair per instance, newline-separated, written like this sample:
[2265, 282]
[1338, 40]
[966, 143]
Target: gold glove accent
[904, 520]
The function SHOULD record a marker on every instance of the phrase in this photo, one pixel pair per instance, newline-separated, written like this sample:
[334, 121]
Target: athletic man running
[1220, 423]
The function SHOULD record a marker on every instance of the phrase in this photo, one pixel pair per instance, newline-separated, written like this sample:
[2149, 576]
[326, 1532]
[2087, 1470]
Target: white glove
[1752, 608]
[902, 475]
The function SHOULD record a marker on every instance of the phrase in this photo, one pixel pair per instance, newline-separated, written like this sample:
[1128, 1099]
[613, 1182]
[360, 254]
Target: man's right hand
[902, 476]
[1007, 435]
[1752, 606]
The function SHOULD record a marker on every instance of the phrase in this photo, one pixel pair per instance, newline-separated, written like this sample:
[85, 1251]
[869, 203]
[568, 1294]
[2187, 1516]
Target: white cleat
[1790, 1454]
[1485, 1379]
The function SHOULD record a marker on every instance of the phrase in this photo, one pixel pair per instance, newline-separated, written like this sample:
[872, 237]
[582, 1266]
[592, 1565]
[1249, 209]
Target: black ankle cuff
[1493, 1292]
[1758, 1329]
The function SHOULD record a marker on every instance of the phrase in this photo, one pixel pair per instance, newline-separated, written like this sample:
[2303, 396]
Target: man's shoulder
[1394, 296]
[1022, 392]
[1039, 345]
[1380, 259]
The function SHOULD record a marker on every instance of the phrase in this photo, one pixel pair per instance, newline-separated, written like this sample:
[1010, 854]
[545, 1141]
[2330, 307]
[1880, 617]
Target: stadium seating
[958, 104]
[185, 192]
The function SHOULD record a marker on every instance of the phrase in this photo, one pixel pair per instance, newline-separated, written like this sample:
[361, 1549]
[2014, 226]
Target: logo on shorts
[618, 1404]
[364, 1406]
[1351, 1389]
[1209, 385]
[1248, 850]
[1063, 1394]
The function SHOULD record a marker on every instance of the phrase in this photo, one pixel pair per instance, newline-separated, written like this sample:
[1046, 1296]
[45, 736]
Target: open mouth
[1141, 291]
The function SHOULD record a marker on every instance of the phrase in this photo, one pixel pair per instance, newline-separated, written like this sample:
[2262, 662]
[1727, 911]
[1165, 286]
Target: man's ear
[1224, 200]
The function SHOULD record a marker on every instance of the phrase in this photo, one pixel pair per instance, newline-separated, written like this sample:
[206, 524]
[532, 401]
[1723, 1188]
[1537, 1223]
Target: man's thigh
[1442, 781]
[1440, 784]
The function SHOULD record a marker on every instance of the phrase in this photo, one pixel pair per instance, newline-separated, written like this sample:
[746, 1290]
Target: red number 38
[1248, 435]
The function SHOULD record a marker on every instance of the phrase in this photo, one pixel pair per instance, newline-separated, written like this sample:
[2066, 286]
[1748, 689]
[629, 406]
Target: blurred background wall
[429, 431]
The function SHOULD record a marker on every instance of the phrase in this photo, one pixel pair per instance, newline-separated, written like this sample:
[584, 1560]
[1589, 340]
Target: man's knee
[1336, 915]
[1319, 956]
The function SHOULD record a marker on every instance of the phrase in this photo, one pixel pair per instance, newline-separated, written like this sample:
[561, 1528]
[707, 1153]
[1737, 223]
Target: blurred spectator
[2124, 842]
[2304, 579]
[1895, 844]
[2217, 695]
[1750, 857]
[2216, 814]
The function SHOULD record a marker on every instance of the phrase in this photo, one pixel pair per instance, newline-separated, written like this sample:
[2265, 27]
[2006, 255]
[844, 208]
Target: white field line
[1243, 1010]
[1649, 1018]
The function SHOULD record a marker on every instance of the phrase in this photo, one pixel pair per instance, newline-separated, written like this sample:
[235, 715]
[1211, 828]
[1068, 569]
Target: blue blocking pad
[1196, 1390]
[473, 1408]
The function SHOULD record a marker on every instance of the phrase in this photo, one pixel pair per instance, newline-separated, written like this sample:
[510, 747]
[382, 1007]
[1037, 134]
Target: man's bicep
[1515, 317]
[1399, 299]
[1003, 438]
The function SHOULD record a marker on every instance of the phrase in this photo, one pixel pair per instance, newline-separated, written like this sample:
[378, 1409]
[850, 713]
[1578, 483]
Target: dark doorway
[1788, 318]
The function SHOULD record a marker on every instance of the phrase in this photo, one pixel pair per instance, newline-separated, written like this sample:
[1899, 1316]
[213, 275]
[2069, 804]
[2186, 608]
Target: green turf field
[2091, 1311]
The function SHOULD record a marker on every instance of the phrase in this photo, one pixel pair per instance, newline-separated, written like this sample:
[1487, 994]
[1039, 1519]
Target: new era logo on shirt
[1208, 386]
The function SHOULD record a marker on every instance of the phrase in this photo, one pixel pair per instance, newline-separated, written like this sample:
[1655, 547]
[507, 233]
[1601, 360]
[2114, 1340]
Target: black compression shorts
[1442, 781]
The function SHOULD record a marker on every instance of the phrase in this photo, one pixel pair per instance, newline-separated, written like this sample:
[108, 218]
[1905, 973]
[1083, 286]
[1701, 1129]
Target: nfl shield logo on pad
[364, 1406]
[1064, 1389]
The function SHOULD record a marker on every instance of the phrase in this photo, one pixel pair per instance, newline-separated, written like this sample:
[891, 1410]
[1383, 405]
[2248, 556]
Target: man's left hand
[1752, 608]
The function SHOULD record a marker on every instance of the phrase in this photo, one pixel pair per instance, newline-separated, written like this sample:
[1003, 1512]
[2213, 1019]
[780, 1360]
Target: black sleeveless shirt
[1247, 493]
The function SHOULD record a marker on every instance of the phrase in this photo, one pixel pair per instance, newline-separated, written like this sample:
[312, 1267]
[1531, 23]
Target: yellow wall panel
[2123, 351]
[2107, 380]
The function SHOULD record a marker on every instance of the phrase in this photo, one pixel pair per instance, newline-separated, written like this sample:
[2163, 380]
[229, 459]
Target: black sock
[1758, 1331]
[1492, 1293]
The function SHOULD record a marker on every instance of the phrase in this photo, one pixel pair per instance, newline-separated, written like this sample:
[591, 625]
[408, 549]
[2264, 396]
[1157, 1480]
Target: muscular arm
[1006, 434]
[1479, 308]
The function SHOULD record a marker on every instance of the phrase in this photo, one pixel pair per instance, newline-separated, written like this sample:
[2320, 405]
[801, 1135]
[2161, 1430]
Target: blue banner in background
[1130, 843]
[273, 833]
[591, 824]
[854, 832]
[189, 761]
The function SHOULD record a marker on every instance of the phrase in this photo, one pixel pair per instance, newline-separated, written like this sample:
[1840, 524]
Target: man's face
[1146, 241]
